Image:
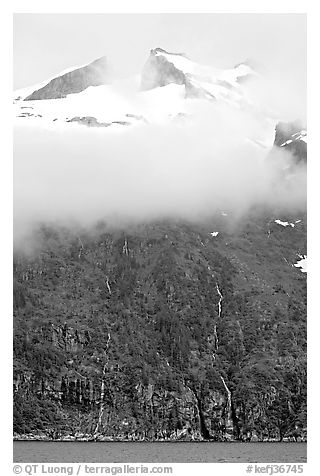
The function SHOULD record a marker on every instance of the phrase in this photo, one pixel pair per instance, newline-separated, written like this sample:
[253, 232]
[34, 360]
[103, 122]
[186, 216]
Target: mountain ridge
[73, 81]
[89, 87]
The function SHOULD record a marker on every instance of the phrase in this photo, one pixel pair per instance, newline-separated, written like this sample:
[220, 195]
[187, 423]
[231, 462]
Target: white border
[165, 6]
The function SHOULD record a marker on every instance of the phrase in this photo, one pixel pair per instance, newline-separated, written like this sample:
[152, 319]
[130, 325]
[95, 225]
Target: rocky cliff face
[292, 136]
[159, 71]
[75, 81]
[202, 82]
[163, 331]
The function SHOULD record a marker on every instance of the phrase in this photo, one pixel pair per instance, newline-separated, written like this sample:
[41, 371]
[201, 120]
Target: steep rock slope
[159, 71]
[74, 81]
[163, 68]
[168, 330]
[292, 137]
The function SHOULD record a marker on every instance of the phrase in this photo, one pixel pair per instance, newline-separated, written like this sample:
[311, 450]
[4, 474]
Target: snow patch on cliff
[284, 223]
[302, 263]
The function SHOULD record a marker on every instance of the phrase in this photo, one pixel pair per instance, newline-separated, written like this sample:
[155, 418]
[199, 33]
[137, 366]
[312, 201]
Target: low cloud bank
[214, 161]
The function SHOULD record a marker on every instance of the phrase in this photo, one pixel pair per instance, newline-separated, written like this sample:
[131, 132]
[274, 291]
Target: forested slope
[165, 330]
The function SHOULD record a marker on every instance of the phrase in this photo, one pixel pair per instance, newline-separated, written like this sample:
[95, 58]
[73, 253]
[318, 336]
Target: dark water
[84, 452]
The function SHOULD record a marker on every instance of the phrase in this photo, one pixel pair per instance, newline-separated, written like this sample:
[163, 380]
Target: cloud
[282, 96]
[189, 170]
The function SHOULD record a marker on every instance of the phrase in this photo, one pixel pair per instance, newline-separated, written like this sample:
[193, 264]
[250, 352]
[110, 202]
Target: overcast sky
[45, 44]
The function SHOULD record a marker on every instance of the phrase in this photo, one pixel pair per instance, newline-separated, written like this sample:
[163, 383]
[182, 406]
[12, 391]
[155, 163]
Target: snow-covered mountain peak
[179, 60]
[70, 81]
[172, 89]
[200, 81]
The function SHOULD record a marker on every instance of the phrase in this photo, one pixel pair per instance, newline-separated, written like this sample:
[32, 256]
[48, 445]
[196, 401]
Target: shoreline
[70, 439]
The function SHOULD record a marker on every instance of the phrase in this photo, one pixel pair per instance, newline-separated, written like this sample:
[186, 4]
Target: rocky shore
[133, 438]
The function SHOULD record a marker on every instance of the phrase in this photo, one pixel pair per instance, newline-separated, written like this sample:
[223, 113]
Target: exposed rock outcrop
[159, 71]
[292, 136]
[75, 81]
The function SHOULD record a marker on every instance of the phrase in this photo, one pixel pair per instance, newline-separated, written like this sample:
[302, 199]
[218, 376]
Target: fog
[188, 170]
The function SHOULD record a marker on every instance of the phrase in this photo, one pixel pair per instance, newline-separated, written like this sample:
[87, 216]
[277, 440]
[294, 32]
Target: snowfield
[302, 263]
[208, 73]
